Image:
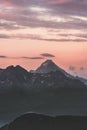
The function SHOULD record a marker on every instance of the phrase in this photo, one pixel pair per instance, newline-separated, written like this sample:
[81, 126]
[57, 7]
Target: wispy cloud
[32, 58]
[45, 14]
[82, 68]
[63, 38]
[5, 36]
[3, 57]
[22, 57]
[47, 55]
[72, 68]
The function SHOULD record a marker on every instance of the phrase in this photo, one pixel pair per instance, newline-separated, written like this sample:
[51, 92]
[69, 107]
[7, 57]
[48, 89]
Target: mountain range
[48, 74]
[48, 90]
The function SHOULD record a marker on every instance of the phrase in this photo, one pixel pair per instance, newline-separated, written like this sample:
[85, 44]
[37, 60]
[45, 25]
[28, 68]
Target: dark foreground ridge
[42, 122]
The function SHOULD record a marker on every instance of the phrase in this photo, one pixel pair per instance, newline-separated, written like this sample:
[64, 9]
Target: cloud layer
[39, 57]
[53, 16]
[32, 58]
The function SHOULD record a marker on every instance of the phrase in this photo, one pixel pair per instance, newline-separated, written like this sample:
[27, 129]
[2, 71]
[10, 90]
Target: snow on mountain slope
[49, 66]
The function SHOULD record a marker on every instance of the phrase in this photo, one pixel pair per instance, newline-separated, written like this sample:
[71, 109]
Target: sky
[32, 31]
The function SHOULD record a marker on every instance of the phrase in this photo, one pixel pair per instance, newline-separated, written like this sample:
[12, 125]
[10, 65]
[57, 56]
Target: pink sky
[30, 28]
[66, 54]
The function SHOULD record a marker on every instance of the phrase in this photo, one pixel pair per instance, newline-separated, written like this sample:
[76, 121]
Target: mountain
[14, 76]
[82, 80]
[47, 75]
[1, 70]
[48, 66]
[34, 121]
[55, 79]
[53, 93]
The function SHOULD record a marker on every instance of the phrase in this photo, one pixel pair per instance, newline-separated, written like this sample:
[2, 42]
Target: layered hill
[42, 122]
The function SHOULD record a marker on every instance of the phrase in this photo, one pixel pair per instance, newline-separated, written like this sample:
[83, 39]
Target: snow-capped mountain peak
[47, 66]
[50, 66]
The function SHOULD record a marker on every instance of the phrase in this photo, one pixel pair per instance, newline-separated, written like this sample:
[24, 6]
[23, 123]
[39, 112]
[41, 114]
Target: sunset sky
[32, 31]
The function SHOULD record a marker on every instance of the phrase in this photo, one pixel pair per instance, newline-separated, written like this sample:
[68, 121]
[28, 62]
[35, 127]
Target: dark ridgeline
[42, 122]
[48, 75]
[48, 90]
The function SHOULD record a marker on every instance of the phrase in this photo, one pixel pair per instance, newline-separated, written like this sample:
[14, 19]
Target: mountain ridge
[48, 74]
[49, 66]
[35, 121]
